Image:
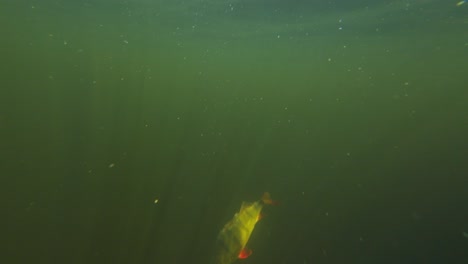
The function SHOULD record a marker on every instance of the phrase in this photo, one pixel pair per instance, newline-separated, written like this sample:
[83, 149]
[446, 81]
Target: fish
[461, 2]
[232, 239]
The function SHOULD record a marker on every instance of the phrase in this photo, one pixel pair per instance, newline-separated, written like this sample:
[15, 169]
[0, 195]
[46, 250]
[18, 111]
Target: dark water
[352, 114]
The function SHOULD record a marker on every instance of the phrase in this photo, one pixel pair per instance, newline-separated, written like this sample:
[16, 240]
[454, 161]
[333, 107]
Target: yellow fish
[236, 233]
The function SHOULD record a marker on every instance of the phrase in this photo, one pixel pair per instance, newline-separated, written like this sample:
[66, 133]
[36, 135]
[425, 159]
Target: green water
[131, 131]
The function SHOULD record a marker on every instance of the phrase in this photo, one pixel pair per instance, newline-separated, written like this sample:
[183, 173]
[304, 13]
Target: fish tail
[266, 198]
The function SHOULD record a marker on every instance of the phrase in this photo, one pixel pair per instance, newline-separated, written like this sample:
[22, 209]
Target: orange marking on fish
[245, 253]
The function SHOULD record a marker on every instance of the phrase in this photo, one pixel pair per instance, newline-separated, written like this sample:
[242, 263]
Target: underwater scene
[234, 131]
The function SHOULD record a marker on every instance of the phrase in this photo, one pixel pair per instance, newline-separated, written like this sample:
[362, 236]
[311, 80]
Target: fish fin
[244, 205]
[260, 216]
[245, 253]
[266, 198]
